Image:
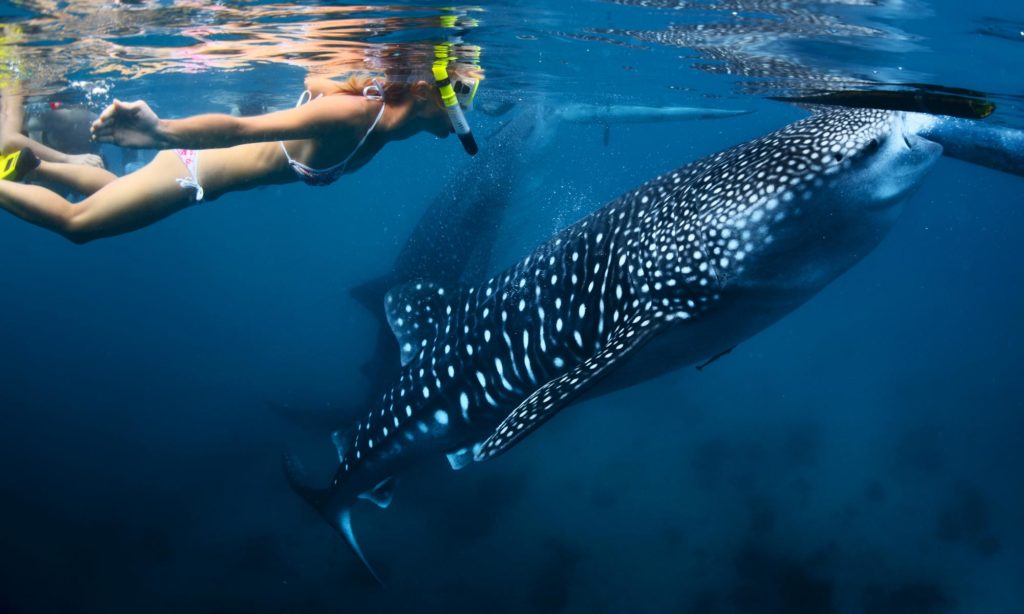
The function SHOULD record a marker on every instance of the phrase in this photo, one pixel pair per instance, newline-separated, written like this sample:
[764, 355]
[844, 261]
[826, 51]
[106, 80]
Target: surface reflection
[783, 47]
[128, 40]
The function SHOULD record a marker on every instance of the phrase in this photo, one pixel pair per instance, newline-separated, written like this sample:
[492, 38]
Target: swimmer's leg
[124, 205]
[12, 115]
[85, 180]
[18, 165]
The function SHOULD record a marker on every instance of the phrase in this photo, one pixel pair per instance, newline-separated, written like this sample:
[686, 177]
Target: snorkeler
[59, 121]
[336, 128]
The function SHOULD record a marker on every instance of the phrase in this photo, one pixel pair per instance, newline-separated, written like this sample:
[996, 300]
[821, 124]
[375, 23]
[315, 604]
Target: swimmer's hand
[128, 124]
[86, 160]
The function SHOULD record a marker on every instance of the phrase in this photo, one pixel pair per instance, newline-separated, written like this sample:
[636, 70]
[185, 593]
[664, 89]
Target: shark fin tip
[345, 528]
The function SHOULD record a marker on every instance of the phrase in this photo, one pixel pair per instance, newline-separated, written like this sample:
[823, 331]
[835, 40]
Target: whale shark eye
[872, 146]
[839, 157]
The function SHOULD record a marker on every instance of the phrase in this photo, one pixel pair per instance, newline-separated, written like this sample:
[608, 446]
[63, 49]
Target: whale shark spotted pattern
[676, 271]
[454, 238]
[541, 330]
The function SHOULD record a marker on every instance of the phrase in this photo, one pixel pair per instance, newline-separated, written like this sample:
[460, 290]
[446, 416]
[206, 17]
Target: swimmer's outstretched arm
[134, 124]
[12, 119]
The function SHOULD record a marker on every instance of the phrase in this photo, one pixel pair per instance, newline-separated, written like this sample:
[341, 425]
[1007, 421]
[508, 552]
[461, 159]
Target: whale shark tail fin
[319, 499]
[342, 522]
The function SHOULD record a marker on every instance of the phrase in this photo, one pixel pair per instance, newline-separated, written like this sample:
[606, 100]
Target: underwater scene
[704, 306]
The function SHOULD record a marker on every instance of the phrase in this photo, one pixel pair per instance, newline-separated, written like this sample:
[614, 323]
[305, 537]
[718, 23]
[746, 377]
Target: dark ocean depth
[861, 455]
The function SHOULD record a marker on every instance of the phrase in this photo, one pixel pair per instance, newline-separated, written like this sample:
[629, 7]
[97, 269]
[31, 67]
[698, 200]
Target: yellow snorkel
[452, 104]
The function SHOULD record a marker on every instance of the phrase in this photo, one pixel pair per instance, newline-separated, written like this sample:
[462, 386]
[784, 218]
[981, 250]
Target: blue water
[862, 455]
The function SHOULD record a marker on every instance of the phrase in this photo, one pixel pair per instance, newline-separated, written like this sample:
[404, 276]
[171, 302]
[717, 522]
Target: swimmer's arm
[134, 124]
[13, 141]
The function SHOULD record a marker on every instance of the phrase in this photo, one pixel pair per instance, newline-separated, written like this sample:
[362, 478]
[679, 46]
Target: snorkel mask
[456, 97]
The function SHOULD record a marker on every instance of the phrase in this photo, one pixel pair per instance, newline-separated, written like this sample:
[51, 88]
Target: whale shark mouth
[926, 150]
[902, 178]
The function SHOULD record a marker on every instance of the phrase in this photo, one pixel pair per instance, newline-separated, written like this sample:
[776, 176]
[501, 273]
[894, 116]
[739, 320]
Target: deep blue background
[863, 455]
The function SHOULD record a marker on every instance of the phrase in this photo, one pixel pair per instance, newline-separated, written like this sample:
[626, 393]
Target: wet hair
[397, 85]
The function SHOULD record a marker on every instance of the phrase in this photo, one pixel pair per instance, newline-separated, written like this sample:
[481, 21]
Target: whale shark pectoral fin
[462, 457]
[550, 398]
[381, 494]
[415, 312]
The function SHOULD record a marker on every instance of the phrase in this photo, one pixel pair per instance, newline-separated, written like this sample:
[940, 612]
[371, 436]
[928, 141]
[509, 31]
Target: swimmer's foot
[14, 167]
[86, 160]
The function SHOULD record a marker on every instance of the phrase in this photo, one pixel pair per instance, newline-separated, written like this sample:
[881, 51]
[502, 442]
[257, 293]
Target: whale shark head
[789, 211]
[844, 178]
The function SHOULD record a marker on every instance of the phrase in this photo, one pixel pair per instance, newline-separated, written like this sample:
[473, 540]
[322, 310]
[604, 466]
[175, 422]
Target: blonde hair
[397, 86]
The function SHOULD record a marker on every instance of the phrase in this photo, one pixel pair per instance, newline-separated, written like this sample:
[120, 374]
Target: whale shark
[452, 241]
[681, 269]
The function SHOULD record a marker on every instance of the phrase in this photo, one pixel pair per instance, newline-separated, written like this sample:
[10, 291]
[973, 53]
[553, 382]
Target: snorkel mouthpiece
[451, 104]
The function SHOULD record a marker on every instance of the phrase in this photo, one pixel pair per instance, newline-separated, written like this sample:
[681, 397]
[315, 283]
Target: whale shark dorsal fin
[381, 494]
[547, 400]
[415, 312]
